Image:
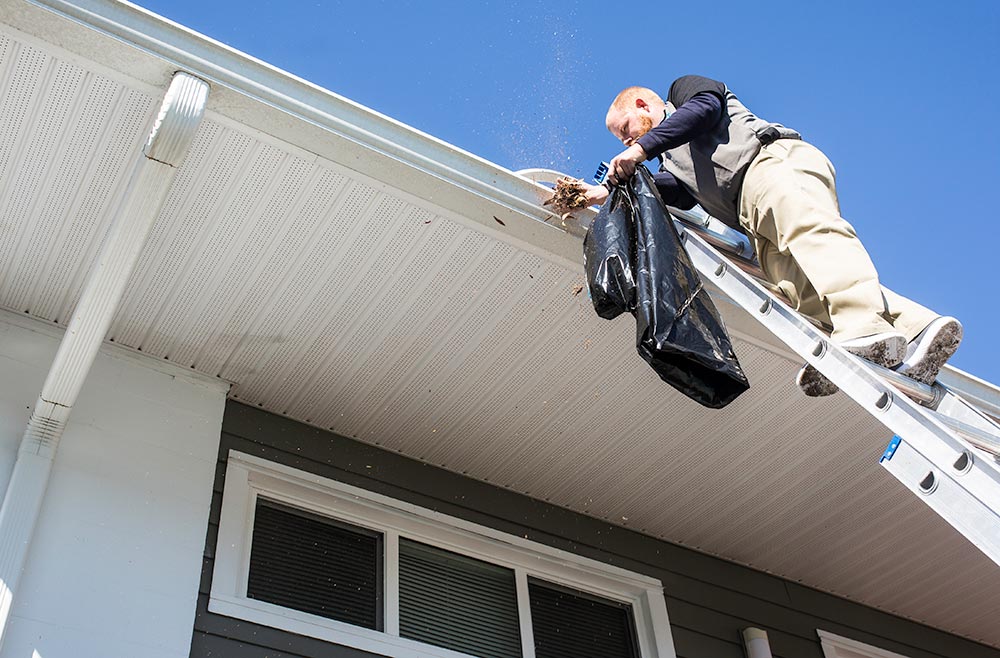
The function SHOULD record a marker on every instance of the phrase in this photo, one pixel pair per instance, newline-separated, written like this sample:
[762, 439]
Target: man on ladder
[765, 181]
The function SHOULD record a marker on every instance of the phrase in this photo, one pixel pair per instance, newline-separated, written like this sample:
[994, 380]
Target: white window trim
[835, 646]
[248, 476]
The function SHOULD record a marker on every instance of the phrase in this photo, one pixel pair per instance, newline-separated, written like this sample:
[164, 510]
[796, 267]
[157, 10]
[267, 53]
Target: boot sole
[943, 345]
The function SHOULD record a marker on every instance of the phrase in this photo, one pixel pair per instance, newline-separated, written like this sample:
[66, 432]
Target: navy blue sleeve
[672, 192]
[690, 120]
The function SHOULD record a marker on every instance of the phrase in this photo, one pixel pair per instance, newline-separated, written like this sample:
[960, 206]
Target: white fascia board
[836, 646]
[495, 199]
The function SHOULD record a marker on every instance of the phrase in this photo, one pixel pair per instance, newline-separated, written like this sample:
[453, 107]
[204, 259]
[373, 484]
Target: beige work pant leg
[790, 211]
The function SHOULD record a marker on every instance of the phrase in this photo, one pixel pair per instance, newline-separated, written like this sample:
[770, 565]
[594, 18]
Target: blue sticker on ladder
[890, 449]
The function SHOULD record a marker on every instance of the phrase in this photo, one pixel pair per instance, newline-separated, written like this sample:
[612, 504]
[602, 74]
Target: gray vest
[712, 166]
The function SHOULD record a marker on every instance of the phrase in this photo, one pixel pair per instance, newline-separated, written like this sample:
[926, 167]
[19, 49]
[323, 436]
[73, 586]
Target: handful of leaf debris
[570, 194]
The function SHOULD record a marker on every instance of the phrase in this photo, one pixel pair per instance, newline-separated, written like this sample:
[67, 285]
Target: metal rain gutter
[152, 174]
[225, 67]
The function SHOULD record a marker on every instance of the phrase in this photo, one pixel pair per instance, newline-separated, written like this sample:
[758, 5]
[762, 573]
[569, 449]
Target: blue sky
[902, 96]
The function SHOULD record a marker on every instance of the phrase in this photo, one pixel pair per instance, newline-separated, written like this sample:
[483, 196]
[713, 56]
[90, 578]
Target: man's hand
[596, 194]
[572, 194]
[623, 165]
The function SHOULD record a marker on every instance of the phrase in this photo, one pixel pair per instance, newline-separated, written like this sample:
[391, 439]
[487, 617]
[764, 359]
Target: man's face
[629, 125]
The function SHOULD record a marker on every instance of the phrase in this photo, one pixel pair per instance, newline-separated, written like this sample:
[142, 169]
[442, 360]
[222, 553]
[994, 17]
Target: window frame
[836, 646]
[248, 477]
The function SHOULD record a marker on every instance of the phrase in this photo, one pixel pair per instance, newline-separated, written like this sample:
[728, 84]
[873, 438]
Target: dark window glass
[304, 561]
[572, 624]
[456, 602]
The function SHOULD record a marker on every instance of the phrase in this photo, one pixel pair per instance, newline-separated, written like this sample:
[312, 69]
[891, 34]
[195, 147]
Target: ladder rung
[980, 438]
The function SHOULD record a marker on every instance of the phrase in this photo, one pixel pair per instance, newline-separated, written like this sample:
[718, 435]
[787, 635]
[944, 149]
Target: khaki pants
[789, 209]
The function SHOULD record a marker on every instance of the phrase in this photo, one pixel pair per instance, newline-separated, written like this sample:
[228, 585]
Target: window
[835, 646]
[315, 565]
[457, 602]
[323, 559]
[570, 624]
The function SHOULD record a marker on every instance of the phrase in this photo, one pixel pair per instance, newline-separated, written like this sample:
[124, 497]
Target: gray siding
[708, 600]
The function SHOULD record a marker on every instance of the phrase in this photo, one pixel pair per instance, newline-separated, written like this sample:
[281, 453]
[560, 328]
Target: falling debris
[577, 290]
[570, 194]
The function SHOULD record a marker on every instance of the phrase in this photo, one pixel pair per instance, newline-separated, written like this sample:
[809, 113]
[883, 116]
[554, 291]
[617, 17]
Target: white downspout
[755, 643]
[180, 114]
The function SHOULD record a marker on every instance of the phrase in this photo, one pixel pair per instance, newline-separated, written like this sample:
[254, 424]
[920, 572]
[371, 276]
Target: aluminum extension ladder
[944, 450]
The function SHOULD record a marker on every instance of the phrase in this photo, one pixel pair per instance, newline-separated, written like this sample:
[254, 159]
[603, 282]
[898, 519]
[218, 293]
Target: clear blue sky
[901, 95]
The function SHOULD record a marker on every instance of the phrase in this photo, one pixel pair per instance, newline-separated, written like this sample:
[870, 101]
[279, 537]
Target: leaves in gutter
[499, 221]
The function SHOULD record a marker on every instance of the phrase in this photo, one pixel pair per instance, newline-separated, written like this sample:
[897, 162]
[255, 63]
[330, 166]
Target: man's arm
[671, 191]
[689, 121]
[700, 103]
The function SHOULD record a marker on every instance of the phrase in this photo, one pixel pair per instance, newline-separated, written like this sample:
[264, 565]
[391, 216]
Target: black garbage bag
[609, 257]
[679, 332]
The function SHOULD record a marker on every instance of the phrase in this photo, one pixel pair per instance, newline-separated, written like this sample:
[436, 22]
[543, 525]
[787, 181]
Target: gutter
[227, 68]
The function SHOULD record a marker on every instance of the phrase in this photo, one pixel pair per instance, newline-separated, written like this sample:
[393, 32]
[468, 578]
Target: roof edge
[220, 64]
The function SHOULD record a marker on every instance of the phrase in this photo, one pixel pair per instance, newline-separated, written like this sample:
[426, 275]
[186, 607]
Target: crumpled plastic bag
[635, 262]
[609, 254]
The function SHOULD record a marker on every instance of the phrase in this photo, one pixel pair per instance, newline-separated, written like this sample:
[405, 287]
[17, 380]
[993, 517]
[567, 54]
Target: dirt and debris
[577, 290]
[499, 221]
[569, 195]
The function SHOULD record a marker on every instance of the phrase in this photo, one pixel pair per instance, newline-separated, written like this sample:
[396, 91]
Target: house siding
[112, 568]
[708, 600]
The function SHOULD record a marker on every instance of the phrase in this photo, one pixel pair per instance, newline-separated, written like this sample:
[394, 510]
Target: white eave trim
[835, 646]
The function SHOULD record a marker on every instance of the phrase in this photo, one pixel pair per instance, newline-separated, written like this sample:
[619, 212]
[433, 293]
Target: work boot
[813, 383]
[931, 349]
[886, 349]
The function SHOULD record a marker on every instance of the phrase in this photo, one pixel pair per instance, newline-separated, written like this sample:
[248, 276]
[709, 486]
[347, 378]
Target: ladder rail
[942, 457]
[736, 248]
[946, 496]
[963, 475]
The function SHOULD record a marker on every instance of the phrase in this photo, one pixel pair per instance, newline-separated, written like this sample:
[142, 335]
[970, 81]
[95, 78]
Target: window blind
[303, 561]
[457, 602]
[571, 624]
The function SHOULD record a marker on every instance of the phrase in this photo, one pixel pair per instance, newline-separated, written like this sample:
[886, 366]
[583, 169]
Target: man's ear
[641, 104]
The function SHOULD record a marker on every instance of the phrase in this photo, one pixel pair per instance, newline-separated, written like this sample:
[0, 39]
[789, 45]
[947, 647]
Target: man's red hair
[625, 99]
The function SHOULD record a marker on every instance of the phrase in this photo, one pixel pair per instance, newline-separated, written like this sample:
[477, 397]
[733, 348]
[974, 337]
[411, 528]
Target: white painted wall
[116, 557]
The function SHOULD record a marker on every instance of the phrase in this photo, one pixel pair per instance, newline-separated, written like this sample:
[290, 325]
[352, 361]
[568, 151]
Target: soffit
[360, 291]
